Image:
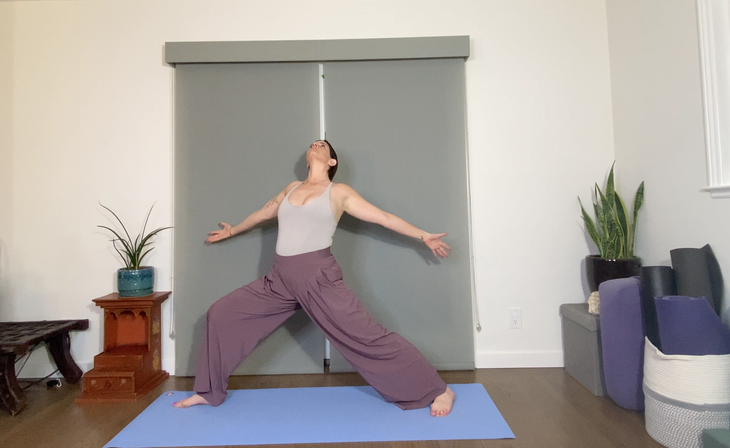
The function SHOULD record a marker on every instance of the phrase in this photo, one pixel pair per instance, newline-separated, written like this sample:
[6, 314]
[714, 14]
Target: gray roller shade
[241, 131]
[399, 128]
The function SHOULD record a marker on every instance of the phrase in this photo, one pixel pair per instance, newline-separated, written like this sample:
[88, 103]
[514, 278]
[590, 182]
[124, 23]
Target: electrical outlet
[515, 317]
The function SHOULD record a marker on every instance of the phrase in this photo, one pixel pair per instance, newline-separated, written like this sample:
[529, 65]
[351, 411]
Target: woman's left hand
[438, 247]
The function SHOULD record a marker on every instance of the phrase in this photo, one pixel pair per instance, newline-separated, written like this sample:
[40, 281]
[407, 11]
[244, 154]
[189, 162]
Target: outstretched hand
[438, 247]
[218, 235]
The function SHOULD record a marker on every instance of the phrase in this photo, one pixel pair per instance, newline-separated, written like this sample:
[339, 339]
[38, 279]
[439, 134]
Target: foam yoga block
[622, 341]
[688, 326]
[656, 281]
[697, 274]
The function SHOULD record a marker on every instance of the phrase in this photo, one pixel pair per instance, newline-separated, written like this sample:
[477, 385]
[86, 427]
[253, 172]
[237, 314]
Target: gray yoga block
[582, 346]
[716, 438]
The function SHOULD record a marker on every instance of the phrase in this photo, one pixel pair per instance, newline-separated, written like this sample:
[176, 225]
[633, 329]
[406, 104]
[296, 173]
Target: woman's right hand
[222, 234]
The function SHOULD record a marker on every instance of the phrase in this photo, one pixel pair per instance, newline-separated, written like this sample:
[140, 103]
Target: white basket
[684, 395]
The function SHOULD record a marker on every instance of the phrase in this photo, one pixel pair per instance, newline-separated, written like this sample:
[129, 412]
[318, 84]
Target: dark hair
[333, 155]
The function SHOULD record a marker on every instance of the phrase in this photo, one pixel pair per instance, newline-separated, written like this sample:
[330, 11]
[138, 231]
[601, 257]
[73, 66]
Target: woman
[307, 276]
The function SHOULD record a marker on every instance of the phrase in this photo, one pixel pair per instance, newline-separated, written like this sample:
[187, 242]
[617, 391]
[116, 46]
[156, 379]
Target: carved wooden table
[16, 338]
[130, 365]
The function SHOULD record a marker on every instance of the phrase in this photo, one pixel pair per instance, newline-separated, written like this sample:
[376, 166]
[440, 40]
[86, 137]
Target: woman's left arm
[354, 204]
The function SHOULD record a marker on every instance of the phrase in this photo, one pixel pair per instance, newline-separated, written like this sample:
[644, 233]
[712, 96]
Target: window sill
[722, 191]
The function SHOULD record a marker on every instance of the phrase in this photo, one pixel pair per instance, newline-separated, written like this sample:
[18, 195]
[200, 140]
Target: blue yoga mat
[309, 415]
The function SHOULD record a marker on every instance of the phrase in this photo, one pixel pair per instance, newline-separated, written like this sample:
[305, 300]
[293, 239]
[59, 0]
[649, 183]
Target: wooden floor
[544, 407]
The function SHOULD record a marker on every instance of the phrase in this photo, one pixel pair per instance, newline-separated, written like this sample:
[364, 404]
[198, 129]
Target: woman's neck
[316, 177]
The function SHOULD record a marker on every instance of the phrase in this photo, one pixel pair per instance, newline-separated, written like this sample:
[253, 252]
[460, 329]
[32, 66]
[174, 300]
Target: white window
[714, 32]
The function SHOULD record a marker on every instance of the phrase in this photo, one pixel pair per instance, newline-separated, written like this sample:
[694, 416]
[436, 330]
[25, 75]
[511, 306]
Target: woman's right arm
[265, 213]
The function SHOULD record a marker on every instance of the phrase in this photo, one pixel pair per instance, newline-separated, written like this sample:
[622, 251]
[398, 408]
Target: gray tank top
[305, 228]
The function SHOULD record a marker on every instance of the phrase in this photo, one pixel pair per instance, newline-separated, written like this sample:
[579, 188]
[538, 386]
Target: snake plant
[132, 251]
[612, 231]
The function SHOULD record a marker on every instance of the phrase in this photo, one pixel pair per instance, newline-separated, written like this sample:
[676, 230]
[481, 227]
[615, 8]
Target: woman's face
[320, 151]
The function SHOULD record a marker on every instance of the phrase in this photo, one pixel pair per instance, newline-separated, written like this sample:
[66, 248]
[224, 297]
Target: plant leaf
[146, 240]
[126, 253]
[591, 228]
[612, 231]
[638, 202]
[610, 225]
[610, 189]
[602, 220]
[129, 239]
[622, 221]
[132, 251]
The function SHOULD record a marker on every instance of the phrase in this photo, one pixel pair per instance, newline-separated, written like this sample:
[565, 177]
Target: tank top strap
[295, 187]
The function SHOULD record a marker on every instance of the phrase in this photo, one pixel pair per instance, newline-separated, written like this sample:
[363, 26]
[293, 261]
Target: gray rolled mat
[715, 277]
[656, 281]
[697, 274]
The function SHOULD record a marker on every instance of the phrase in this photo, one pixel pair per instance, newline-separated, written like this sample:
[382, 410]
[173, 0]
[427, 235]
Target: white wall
[92, 121]
[655, 73]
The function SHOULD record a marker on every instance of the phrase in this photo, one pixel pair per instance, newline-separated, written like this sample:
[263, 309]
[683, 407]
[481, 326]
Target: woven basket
[684, 395]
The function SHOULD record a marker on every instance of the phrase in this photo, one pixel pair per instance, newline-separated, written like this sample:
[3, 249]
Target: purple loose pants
[312, 281]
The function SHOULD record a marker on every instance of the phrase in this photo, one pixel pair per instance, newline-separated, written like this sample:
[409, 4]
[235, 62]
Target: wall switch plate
[515, 317]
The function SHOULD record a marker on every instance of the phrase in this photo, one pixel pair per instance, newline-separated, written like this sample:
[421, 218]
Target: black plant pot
[598, 269]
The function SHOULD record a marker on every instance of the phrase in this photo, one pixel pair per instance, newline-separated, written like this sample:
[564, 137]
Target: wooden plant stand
[130, 365]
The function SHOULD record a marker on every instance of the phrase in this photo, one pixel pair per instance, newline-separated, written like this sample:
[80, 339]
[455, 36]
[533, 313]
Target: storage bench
[582, 346]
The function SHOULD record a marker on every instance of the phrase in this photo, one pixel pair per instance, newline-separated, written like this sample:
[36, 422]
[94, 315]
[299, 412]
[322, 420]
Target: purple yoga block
[622, 337]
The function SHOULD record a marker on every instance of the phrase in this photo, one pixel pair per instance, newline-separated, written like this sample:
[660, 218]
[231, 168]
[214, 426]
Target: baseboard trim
[507, 360]
[342, 366]
[483, 360]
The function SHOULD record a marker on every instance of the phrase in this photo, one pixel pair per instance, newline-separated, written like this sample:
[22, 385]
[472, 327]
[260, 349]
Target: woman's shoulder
[342, 191]
[341, 188]
[291, 186]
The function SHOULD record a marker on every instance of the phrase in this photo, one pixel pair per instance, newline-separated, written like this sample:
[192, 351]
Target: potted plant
[613, 233]
[133, 280]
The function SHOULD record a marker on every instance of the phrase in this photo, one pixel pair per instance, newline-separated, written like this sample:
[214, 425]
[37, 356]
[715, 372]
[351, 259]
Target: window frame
[713, 17]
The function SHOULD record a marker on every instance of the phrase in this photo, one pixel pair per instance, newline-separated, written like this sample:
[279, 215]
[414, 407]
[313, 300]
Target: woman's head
[333, 155]
[322, 150]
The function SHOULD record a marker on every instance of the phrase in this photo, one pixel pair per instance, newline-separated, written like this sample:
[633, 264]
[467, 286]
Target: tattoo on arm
[272, 202]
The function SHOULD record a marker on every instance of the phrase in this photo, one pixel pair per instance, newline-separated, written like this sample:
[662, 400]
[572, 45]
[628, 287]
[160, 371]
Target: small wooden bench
[16, 338]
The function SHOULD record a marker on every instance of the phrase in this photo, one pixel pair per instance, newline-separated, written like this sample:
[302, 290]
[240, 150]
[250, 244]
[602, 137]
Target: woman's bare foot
[441, 406]
[190, 401]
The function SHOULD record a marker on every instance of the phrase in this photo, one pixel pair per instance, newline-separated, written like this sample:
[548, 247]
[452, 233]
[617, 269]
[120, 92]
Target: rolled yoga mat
[656, 281]
[688, 326]
[697, 274]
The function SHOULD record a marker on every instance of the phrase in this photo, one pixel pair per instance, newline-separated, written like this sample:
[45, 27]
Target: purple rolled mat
[697, 274]
[622, 341]
[689, 326]
[656, 281]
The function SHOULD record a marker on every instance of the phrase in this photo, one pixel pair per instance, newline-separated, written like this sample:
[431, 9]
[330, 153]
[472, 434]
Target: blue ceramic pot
[135, 282]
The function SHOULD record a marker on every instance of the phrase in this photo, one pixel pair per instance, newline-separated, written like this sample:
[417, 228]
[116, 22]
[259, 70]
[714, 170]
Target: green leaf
[638, 202]
[610, 189]
[602, 219]
[591, 228]
[129, 239]
[132, 252]
[622, 221]
[612, 231]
